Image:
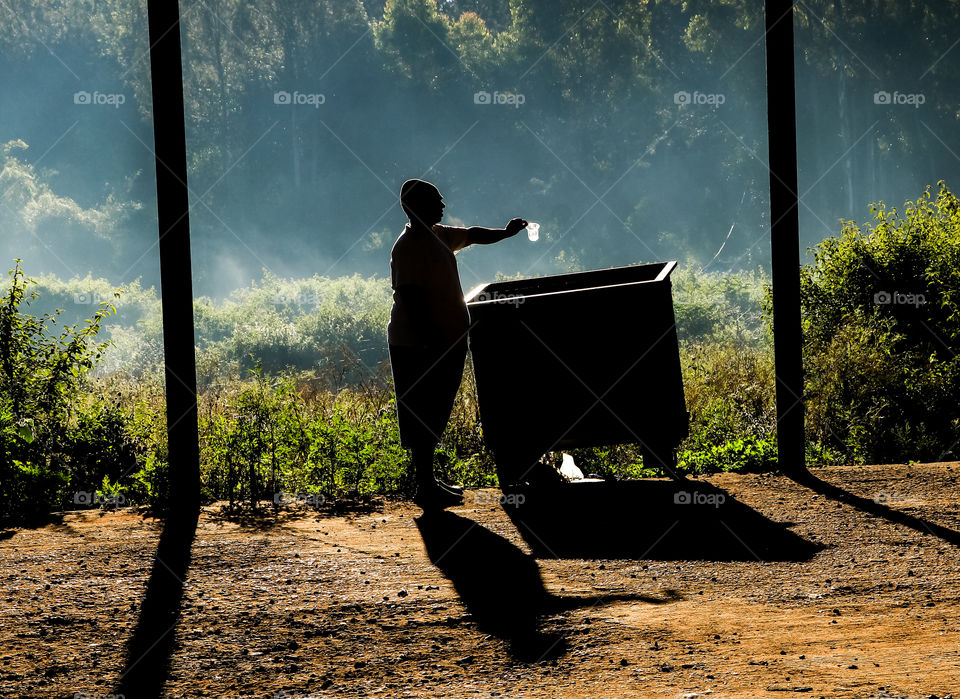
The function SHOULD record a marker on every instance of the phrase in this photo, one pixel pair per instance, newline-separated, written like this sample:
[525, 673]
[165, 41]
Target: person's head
[421, 202]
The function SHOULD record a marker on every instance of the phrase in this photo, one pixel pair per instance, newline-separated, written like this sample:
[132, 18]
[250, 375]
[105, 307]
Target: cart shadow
[653, 520]
[501, 585]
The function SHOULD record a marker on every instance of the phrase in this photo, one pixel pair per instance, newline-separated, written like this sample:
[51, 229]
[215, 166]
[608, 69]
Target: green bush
[296, 398]
[713, 306]
[279, 324]
[881, 319]
[266, 436]
[729, 393]
[746, 454]
[58, 436]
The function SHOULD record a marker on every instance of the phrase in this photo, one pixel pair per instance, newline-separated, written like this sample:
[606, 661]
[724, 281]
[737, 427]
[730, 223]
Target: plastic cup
[533, 231]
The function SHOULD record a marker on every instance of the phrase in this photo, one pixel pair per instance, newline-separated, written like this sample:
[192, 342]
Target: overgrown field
[296, 399]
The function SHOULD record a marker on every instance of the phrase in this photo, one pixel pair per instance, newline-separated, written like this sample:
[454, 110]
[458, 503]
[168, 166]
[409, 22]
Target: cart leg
[664, 457]
[522, 466]
[506, 472]
[512, 466]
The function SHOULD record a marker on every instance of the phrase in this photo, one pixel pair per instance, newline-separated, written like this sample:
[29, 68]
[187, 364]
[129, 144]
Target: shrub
[57, 436]
[295, 393]
[729, 393]
[715, 306]
[881, 319]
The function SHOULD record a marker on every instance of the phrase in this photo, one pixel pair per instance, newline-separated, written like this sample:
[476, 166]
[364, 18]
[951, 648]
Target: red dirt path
[335, 605]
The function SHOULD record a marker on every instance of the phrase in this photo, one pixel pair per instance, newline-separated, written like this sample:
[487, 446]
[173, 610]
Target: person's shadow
[501, 585]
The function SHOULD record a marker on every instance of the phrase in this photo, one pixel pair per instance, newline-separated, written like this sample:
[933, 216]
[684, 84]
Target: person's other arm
[478, 235]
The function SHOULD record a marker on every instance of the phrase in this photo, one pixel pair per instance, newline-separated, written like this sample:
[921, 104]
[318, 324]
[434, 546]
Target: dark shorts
[426, 380]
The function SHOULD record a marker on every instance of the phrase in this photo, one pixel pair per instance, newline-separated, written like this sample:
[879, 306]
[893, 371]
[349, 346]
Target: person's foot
[434, 497]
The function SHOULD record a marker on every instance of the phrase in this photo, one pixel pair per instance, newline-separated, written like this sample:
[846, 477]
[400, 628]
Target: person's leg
[423, 465]
[431, 493]
[426, 381]
[449, 374]
[423, 472]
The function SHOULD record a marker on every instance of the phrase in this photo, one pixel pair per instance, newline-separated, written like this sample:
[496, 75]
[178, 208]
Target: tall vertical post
[176, 285]
[785, 236]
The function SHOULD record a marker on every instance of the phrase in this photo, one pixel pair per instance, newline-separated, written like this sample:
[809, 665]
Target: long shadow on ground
[501, 585]
[654, 520]
[878, 509]
[151, 645]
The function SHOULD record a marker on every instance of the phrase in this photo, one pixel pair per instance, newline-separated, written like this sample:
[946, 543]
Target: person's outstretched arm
[478, 235]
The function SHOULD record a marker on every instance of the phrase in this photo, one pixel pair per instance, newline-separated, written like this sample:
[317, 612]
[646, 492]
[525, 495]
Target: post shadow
[651, 520]
[151, 646]
[878, 509]
[501, 585]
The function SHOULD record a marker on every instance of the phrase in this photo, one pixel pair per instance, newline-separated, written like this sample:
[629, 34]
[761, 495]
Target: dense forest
[633, 131]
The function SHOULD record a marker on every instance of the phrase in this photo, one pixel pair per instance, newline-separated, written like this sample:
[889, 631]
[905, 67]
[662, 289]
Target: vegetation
[296, 402]
[56, 431]
[295, 396]
[881, 308]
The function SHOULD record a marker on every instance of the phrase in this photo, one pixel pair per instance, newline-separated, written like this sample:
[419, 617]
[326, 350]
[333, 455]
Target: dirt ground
[730, 586]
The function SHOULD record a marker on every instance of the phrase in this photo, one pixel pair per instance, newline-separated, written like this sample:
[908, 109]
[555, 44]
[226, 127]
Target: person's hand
[515, 226]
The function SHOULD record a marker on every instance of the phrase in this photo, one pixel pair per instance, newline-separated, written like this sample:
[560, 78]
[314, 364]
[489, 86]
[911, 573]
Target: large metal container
[577, 360]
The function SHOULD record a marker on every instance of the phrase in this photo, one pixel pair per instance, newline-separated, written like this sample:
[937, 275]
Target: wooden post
[176, 287]
[785, 236]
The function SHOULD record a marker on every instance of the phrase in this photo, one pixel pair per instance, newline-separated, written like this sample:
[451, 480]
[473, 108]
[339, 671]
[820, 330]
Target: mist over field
[632, 131]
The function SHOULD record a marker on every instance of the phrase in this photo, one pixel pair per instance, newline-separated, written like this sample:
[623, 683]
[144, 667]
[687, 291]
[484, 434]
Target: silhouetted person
[428, 328]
